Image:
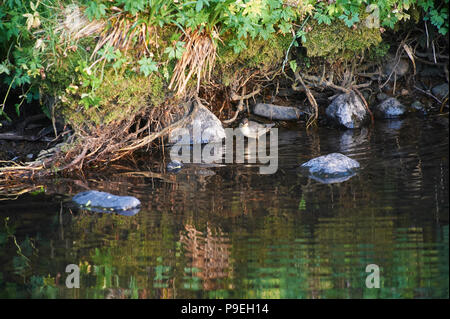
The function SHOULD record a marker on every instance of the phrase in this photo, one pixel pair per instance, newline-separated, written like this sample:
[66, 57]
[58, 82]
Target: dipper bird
[253, 129]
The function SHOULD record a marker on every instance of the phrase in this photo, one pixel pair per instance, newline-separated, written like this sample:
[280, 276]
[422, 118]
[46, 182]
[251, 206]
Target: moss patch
[259, 54]
[337, 41]
[120, 97]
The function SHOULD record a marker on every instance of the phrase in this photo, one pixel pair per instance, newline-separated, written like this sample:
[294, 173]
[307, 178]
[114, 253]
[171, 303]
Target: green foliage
[437, 15]
[148, 66]
[336, 40]
[176, 51]
[35, 57]
[95, 10]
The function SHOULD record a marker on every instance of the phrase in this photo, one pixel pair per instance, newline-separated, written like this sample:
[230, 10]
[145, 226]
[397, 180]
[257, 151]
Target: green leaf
[322, 18]
[293, 65]
[4, 68]
[95, 10]
[285, 27]
[148, 66]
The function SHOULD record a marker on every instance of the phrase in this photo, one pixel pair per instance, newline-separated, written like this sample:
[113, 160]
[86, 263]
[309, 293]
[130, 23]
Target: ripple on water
[233, 233]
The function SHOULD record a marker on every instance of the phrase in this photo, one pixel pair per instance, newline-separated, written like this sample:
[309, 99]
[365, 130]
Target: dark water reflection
[228, 232]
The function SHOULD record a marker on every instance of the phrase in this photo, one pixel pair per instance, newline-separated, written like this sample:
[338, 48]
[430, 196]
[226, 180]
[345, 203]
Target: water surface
[230, 232]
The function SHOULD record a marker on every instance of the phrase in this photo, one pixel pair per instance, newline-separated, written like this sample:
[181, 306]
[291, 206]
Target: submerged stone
[334, 167]
[174, 166]
[347, 110]
[331, 179]
[440, 91]
[277, 112]
[389, 108]
[206, 126]
[419, 107]
[105, 202]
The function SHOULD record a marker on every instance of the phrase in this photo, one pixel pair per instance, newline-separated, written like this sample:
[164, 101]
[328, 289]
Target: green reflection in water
[151, 256]
[236, 234]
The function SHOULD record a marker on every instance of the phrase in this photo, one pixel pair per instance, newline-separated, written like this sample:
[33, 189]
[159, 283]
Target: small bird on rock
[252, 129]
[174, 166]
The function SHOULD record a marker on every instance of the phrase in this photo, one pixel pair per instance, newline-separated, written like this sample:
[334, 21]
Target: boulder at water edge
[389, 108]
[347, 110]
[277, 112]
[331, 168]
[440, 91]
[174, 166]
[105, 202]
[206, 126]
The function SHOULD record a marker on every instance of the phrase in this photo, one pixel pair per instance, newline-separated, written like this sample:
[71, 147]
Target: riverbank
[113, 83]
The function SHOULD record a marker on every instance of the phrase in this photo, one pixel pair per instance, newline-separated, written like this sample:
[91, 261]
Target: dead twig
[365, 104]
[313, 118]
[241, 99]
[428, 93]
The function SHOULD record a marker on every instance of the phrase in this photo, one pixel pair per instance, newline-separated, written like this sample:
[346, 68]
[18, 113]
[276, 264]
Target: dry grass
[75, 24]
[198, 59]
[125, 32]
[121, 31]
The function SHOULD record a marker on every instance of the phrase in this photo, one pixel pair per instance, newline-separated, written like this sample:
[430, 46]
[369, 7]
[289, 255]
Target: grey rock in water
[419, 107]
[440, 91]
[400, 68]
[389, 108]
[347, 110]
[105, 202]
[277, 112]
[174, 166]
[334, 165]
[332, 179]
[206, 126]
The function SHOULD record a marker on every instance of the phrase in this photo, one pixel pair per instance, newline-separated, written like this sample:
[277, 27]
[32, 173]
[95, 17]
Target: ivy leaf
[285, 27]
[175, 52]
[302, 35]
[4, 68]
[322, 18]
[95, 10]
[148, 66]
[349, 22]
[293, 65]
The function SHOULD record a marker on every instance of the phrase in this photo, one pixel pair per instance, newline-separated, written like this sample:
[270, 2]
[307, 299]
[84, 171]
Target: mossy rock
[120, 96]
[259, 54]
[337, 41]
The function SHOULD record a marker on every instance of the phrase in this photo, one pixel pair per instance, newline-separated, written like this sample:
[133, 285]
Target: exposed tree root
[311, 100]
[100, 145]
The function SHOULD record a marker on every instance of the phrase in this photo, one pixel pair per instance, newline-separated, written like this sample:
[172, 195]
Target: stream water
[230, 232]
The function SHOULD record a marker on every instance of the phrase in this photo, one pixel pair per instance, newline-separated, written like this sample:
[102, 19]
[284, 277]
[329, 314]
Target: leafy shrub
[33, 50]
